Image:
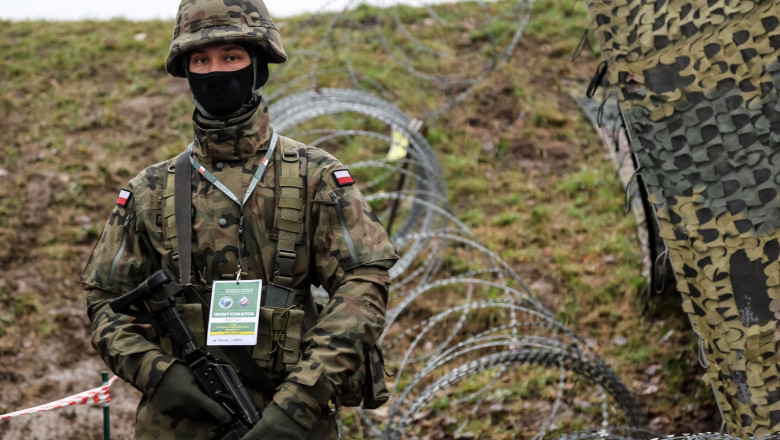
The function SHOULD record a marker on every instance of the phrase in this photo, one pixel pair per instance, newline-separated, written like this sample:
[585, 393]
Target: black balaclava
[221, 94]
[226, 95]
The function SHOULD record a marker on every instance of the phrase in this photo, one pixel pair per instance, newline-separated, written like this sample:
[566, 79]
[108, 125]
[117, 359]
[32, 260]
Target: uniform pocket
[114, 271]
[368, 384]
[351, 391]
[279, 338]
[375, 391]
[348, 251]
[342, 230]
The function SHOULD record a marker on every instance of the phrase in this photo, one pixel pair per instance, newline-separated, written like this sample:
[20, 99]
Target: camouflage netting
[697, 84]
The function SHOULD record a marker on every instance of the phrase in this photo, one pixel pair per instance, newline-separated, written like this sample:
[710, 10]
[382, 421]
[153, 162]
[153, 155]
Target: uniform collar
[234, 139]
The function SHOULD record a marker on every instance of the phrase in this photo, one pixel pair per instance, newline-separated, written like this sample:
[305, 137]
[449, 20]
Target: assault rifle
[218, 380]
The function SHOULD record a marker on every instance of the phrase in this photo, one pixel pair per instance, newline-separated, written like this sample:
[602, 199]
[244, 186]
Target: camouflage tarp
[697, 85]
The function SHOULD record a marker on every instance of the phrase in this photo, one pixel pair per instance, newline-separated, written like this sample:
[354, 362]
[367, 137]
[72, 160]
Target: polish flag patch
[202, 169]
[124, 196]
[265, 161]
[343, 177]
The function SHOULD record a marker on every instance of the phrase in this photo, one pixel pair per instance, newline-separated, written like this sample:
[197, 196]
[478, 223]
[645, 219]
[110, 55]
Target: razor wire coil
[438, 353]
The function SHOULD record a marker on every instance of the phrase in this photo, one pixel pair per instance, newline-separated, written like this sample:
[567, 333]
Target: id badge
[235, 312]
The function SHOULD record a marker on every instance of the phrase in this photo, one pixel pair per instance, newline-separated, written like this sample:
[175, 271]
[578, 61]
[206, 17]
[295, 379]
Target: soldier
[252, 219]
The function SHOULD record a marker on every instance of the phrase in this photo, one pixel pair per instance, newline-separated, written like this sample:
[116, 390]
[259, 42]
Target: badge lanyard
[258, 176]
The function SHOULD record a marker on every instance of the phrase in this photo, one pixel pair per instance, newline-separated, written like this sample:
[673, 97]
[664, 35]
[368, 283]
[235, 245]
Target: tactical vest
[288, 219]
[282, 323]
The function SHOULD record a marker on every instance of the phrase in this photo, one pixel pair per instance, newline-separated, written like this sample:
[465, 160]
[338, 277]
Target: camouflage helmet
[203, 22]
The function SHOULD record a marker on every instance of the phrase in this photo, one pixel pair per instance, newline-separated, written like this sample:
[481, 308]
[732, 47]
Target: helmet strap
[256, 91]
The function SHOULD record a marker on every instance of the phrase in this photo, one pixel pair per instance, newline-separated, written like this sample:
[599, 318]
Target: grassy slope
[84, 106]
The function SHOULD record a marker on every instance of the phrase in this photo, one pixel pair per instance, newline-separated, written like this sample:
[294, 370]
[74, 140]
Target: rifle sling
[183, 208]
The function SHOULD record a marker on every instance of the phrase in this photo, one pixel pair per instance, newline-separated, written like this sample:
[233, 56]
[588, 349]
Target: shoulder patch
[343, 177]
[124, 196]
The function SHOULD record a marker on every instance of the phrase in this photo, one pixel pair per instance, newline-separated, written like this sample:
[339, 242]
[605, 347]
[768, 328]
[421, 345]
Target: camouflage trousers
[152, 424]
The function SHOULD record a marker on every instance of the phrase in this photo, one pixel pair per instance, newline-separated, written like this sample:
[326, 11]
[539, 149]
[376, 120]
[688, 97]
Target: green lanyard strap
[256, 178]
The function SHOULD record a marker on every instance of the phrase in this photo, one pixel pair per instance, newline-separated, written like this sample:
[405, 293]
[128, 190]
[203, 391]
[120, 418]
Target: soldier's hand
[177, 395]
[276, 424]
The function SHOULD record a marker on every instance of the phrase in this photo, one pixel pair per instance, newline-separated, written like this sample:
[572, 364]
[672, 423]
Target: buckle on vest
[287, 157]
[285, 260]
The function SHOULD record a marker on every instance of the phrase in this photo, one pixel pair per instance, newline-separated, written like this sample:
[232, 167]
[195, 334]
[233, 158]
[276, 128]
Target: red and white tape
[95, 395]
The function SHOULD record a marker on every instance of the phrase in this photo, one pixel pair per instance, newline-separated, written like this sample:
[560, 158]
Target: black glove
[277, 425]
[177, 395]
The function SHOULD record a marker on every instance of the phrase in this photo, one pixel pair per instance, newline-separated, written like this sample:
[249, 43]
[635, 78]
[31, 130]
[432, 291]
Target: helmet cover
[204, 22]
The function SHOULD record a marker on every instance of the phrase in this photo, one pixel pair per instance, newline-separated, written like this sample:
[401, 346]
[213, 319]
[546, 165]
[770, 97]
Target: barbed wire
[469, 47]
[461, 323]
[631, 433]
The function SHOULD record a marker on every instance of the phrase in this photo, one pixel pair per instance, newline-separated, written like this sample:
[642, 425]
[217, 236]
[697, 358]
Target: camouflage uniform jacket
[344, 248]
